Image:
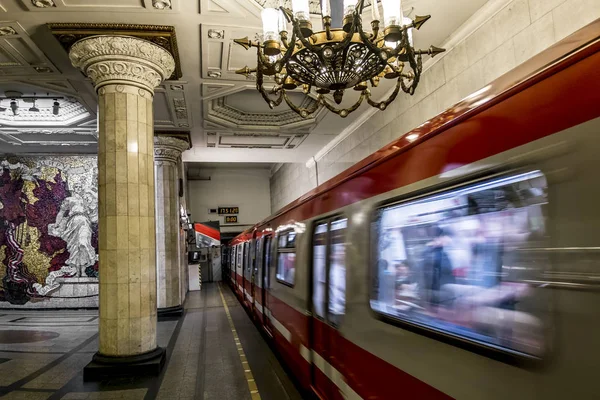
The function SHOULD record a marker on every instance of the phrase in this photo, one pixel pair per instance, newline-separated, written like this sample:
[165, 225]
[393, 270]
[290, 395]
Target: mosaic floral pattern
[48, 224]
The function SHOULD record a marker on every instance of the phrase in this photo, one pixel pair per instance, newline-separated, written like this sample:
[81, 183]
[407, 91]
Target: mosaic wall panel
[48, 231]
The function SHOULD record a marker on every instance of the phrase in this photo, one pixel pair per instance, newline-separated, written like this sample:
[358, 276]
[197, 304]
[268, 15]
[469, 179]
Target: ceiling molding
[254, 140]
[162, 35]
[149, 6]
[210, 90]
[183, 135]
[230, 8]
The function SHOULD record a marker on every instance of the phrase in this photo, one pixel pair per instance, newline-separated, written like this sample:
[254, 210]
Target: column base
[169, 312]
[104, 367]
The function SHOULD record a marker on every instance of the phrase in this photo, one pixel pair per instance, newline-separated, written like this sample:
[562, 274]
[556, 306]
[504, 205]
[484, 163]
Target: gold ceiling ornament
[164, 36]
[333, 60]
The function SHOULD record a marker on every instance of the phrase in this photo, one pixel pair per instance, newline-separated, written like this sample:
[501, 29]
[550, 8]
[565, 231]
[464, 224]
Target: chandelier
[326, 63]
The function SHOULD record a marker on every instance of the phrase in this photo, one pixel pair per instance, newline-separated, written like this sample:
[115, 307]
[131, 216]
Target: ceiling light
[55, 107]
[333, 60]
[34, 108]
[14, 106]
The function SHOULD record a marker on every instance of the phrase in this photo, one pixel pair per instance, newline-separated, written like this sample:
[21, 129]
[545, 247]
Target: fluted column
[125, 71]
[167, 152]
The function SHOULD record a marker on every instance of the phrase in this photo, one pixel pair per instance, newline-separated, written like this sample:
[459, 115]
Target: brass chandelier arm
[382, 105]
[259, 86]
[302, 111]
[342, 112]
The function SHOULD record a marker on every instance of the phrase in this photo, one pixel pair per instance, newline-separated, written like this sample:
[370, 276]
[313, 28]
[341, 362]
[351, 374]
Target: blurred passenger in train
[290, 267]
[438, 268]
[488, 250]
[406, 288]
[337, 281]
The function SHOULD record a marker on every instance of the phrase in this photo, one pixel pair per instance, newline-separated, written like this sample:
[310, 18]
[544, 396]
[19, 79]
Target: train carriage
[460, 261]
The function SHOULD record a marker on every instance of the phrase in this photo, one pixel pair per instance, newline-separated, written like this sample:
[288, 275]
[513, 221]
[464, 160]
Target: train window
[286, 258]
[329, 269]
[337, 270]
[268, 263]
[319, 266]
[455, 263]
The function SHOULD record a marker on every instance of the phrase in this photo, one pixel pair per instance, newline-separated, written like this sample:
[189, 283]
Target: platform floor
[42, 355]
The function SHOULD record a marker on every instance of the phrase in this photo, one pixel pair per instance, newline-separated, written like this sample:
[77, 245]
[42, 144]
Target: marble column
[125, 71]
[167, 153]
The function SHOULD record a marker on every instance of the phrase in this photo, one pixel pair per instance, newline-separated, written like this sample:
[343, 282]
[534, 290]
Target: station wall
[247, 189]
[48, 232]
[500, 36]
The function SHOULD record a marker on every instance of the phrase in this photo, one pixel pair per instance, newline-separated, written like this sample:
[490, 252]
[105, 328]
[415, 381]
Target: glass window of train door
[267, 271]
[258, 255]
[319, 269]
[286, 258]
[336, 269]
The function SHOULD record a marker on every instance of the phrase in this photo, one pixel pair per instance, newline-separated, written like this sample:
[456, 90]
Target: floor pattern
[42, 355]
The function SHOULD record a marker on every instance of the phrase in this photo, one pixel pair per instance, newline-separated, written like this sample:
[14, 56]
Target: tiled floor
[46, 361]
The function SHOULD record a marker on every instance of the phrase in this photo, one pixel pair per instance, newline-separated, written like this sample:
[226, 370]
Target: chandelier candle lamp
[332, 60]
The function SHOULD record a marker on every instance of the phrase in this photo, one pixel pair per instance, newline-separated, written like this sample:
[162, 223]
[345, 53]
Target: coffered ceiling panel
[242, 107]
[170, 106]
[19, 55]
[54, 118]
[221, 57]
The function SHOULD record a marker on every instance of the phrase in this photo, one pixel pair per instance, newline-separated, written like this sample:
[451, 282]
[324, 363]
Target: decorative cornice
[43, 3]
[122, 59]
[168, 148]
[161, 4]
[7, 31]
[162, 35]
[314, 6]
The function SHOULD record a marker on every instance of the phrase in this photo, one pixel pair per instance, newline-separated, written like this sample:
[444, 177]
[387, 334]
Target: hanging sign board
[229, 210]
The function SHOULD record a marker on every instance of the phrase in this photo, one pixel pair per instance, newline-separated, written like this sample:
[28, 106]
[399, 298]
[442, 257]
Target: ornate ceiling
[227, 119]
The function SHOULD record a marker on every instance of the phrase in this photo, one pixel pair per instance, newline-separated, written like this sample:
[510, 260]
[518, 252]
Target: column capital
[112, 60]
[167, 148]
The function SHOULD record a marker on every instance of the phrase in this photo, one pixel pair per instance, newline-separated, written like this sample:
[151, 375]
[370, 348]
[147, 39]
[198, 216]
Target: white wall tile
[573, 15]
[470, 80]
[435, 77]
[533, 39]
[448, 95]
[481, 43]
[455, 61]
[539, 8]
[512, 19]
[498, 62]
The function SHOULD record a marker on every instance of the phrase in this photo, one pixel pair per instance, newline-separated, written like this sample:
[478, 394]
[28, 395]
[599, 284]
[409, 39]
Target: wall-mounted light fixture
[34, 108]
[14, 106]
[55, 107]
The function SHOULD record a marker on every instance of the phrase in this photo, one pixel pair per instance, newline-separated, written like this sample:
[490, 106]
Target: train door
[328, 303]
[255, 286]
[266, 281]
[239, 271]
[245, 272]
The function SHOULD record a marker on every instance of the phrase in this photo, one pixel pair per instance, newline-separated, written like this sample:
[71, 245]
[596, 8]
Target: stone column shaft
[126, 221]
[125, 71]
[168, 257]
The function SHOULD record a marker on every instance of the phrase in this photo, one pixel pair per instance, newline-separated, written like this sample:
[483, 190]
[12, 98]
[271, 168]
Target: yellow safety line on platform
[247, 372]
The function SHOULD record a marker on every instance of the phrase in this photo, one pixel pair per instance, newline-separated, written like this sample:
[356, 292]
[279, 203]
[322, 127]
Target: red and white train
[460, 261]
